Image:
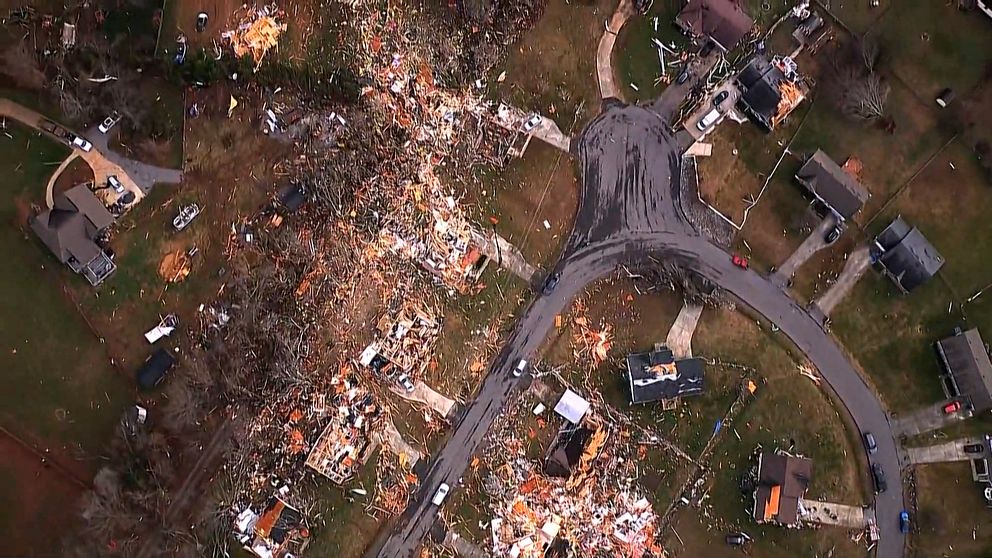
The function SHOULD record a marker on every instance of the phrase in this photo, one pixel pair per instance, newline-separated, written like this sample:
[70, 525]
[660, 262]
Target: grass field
[635, 57]
[952, 520]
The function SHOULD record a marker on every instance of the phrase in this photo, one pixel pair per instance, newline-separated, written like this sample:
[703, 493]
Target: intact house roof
[782, 482]
[968, 368]
[572, 407]
[723, 21]
[834, 187]
[905, 255]
[155, 368]
[657, 376]
[768, 95]
[70, 229]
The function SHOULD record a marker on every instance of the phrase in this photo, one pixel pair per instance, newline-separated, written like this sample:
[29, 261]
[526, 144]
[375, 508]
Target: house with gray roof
[967, 369]
[836, 189]
[905, 255]
[70, 230]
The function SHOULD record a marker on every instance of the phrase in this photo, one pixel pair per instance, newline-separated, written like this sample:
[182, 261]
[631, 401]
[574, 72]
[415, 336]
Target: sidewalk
[827, 513]
[604, 53]
[422, 393]
[505, 255]
[679, 338]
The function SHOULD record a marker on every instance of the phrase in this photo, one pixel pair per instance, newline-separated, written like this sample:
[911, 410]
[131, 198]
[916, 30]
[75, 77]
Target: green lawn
[67, 394]
[635, 56]
[951, 520]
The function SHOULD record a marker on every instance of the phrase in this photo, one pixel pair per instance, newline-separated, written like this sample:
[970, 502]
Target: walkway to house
[462, 546]
[942, 453]
[856, 265]
[505, 255]
[680, 335]
[828, 513]
[512, 118]
[604, 54]
[926, 419]
[811, 245]
[394, 442]
[423, 393]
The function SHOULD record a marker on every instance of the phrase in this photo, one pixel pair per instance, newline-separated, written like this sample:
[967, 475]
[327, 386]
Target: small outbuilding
[832, 186]
[905, 255]
[967, 369]
[153, 371]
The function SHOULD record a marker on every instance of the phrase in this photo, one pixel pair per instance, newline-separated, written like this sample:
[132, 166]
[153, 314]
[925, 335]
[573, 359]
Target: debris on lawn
[175, 266]
[590, 345]
[278, 530]
[406, 341]
[257, 33]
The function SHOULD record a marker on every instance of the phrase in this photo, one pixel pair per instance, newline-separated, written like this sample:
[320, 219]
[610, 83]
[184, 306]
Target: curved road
[629, 211]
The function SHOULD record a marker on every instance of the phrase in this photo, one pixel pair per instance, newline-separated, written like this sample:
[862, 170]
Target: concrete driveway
[942, 453]
[856, 265]
[811, 245]
[927, 419]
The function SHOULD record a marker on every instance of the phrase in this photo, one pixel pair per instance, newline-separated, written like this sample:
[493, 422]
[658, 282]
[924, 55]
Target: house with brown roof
[782, 481]
[722, 21]
[70, 230]
[832, 186]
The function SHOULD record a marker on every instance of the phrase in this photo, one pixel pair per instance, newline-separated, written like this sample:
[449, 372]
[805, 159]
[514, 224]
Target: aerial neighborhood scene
[496, 278]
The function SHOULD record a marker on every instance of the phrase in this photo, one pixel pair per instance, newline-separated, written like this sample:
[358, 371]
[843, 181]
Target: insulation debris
[257, 33]
[405, 342]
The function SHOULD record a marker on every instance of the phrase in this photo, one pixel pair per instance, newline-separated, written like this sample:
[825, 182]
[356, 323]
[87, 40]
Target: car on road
[186, 215]
[870, 443]
[739, 260]
[974, 448]
[706, 121]
[82, 144]
[904, 522]
[109, 122]
[737, 539]
[115, 183]
[878, 477]
[832, 235]
[952, 407]
[520, 368]
[201, 22]
[405, 383]
[531, 123]
[683, 77]
[551, 282]
[442, 492]
[720, 98]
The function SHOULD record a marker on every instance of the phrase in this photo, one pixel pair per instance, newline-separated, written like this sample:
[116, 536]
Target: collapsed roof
[657, 376]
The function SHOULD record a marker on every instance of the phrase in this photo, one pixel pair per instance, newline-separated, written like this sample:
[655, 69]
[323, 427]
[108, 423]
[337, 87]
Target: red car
[952, 407]
[739, 261]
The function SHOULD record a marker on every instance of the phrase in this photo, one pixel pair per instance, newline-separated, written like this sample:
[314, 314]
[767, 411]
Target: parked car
[683, 77]
[551, 282]
[739, 261]
[520, 368]
[153, 371]
[109, 122]
[870, 444]
[442, 492]
[720, 98]
[82, 144]
[201, 21]
[974, 448]
[405, 383]
[186, 215]
[832, 235]
[878, 476]
[904, 522]
[532, 122]
[706, 121]
[115, 183]
[737, 539]
[952, 407]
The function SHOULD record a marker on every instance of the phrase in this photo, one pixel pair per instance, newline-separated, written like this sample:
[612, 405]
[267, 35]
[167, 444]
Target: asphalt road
[628, 212]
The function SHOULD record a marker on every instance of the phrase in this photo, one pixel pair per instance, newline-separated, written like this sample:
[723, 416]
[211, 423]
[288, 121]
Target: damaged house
[905, 255]
[833, 187]
[722, 22]
[658, 376]
[405, 341]
[770, 90]
[347, 440]
[71, 229]
[278, 532]
[782, 482]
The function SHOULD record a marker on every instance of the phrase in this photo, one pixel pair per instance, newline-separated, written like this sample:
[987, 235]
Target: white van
[708, 120]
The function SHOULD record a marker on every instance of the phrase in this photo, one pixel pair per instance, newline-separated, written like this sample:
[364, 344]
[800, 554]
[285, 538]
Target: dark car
[870, 444]
[153, 371]
[832, 235]
[683, 77]
[720, 97]
[737, 539]
[201, 22]
[878, 476]
[974, 448]
[904, 522]
[551, 282]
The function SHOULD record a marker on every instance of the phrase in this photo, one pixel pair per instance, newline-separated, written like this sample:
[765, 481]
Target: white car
[519, 370]
[532, 123]
[186, 215]
[405, 382]
[708, 120]
[109, 122]
[82, 144]
[115, 183]
[442, 492]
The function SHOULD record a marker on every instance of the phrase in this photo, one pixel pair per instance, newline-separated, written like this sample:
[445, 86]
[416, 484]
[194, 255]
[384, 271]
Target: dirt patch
[77, 172]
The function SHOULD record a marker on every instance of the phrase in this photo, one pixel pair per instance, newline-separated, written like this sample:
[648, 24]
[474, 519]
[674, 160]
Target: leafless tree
[864, 97]
[186, 405]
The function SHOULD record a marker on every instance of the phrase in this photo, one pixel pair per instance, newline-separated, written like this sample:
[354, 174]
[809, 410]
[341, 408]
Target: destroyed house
[566, 452]
[832, 186]
[905, 255]
[724, 22]
[346, 441]
[770, 91]
[278, 532]
[967, 369]
[782, 482]
[70, 230]
[658, 376]
[405, 341]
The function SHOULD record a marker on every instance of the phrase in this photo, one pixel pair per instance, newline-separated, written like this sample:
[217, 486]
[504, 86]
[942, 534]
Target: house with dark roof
[770, 90]
[967, 369]
[566, 452]
[658, 376]
[832, 186]
[70, 230]
[724, 22]
[782, 482]
[905, 255]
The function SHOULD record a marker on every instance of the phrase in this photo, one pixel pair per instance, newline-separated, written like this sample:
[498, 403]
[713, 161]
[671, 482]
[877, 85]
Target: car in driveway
[720, 98]
[441, 494]
[904, 522]
[706, 121]
[405, 382]
[109, 122]
[82, 144]
[531, 123]
[832, 235]
[683, 76]
[551, 282]
[115, 183]
[974, 448]
[878, 477]
[870, 443]
[952, 407]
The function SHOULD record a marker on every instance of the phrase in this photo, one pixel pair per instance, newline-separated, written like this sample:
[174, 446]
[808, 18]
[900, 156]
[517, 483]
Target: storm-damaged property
[782, 482]
[658, 376]
[770, 90]
[71, 229]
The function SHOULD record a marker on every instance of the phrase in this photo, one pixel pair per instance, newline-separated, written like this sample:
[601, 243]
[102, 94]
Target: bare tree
[864, 97]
